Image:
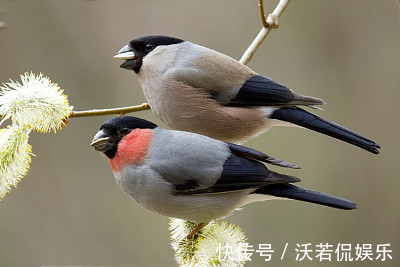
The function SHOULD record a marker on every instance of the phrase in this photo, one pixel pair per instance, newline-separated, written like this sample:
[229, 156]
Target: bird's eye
[149, 47]
[125, 131]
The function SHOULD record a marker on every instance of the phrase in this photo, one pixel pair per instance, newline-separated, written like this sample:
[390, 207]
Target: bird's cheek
[132, 149]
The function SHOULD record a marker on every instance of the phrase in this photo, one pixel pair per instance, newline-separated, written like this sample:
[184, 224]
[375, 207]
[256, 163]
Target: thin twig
[2, 23]
[262, 14]
[271, 22]
[99, 112]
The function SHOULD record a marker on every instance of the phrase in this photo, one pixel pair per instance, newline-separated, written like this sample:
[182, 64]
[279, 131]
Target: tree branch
[272, 22]
[100, 112]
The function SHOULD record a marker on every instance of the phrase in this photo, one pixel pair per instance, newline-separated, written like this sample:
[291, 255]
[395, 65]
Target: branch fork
[269, 23]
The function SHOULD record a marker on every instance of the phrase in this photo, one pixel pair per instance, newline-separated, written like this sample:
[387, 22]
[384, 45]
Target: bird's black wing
[262, 91]
[240, 173]
[249, 153]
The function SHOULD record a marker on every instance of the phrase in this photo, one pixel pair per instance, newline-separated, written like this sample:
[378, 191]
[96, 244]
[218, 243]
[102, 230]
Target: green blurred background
[69, 210]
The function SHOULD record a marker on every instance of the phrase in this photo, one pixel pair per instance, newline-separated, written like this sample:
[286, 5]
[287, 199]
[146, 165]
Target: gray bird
[192, 88]
[193, 177]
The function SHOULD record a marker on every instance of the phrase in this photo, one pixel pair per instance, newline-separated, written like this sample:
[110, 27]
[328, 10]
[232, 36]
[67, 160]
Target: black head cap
[142, 46]
[126, 122]
[113, 130]
[154, 40]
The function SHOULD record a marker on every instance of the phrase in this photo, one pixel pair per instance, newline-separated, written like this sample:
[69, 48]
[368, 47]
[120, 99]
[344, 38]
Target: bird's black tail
[307, 120]
[298, 193]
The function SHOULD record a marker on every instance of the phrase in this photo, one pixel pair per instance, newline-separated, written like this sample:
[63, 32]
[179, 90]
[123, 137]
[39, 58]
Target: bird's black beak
[127, 54]
[102, 142]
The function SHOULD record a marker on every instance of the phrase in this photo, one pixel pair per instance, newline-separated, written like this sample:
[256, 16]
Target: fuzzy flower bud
[36, 104]
[215, 244]
[15, 156]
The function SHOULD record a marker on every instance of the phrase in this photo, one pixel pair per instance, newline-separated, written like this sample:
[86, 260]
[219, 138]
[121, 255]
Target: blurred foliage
[70, 211]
